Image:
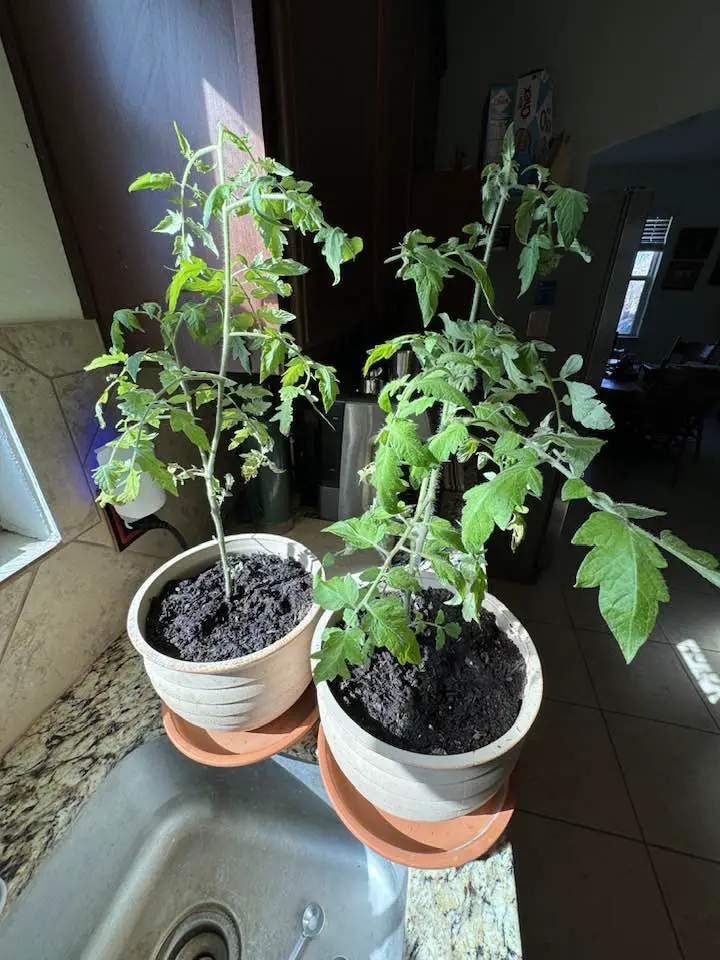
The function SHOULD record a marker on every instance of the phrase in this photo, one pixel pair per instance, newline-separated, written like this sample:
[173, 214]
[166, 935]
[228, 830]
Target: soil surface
[191, 619]
[456, 699]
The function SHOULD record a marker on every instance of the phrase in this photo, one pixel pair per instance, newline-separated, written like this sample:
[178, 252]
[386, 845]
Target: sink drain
[208, 932]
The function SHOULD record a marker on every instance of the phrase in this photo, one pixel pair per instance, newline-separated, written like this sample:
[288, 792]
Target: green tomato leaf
[336, 593]
[106, 360]
[448, 441]
[339, 647]
[493, 503]
[569, 208]
[587, 410]
[403, 437]
[153, 181]
[528, 264]
[436, 385]
[271, 356]
[362, 532]
[171, 223]
[701, 562]
[387, 479]
[572, 365]
[327, 384]
[625, 564]
[574, 489]
[402, 578]
[388, 626]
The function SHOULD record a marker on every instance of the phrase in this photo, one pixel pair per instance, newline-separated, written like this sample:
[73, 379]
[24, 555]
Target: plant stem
[488, 252]
[209, 467]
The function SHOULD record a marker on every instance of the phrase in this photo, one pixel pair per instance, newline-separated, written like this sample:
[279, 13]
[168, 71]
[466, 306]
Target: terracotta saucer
[416, 843]
[237, 748]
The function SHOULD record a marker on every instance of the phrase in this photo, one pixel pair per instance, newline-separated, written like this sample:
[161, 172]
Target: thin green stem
[209, 467]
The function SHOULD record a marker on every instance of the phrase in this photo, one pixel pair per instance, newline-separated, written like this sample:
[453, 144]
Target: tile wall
[59, 614]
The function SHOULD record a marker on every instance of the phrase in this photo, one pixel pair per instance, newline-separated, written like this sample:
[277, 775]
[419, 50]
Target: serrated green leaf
[572, 365]
[699, 560]
[578, 451]
[506, 443]
[435, 385]
[528, 264]
[481, 277]
[634, 511]
[402, 436]
[387, 480]
[586, 409]
[402, 578]
[327, 384]
[493, 503]
[328, 560]
[448, 441]
[569, 208]
[340, 646]
[574, 489]
[336, 593]
[445, 533]
[171, 223]
[271, 356]
[132, 364]
[362, 532]
[388, 627]
[152, 181]
[182, 141]
[625, 564]
[106, 360]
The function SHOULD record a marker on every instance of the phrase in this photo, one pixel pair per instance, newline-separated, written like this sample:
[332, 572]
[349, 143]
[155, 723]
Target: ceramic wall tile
[76, 605]
[12, 595]
[78, 394]
[155, 543]
[37, 417]
[54, 347]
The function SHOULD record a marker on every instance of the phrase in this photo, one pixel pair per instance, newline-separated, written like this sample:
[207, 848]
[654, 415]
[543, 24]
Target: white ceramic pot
[239, 694]
[418, 786]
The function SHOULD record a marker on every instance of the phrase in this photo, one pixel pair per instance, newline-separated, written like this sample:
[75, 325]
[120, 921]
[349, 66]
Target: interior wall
[619, 69]
[690, 195]
[35, 280]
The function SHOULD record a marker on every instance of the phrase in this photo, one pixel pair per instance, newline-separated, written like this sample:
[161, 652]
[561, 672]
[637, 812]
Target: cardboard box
[499, 117]
[533, 118]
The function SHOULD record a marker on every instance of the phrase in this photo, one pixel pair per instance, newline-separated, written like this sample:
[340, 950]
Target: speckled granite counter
[465, 914]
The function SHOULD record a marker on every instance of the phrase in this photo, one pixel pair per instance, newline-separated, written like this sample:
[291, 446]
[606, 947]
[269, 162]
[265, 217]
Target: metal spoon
[313, 921]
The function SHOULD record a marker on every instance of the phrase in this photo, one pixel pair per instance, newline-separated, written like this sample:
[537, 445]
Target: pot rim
[532, 698]
[136, 631]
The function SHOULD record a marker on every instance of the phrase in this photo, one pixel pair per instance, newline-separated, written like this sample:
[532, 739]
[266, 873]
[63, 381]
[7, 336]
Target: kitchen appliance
[346, 446]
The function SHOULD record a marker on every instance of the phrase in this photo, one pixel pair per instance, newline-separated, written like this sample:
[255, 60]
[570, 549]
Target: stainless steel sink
[170, 860]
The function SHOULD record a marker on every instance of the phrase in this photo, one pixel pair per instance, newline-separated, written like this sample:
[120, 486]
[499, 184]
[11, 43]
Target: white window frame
[648, 280]
[27, 527]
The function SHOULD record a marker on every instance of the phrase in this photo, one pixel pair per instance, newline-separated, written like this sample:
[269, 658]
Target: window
[644, 271]
[27, 529]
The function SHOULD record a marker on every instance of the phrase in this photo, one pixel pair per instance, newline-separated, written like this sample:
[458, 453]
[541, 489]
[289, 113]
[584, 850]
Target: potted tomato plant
[225, 627]
[427, 684]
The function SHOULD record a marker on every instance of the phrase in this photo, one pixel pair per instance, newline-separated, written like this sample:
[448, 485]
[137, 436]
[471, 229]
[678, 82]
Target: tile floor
[617, 832]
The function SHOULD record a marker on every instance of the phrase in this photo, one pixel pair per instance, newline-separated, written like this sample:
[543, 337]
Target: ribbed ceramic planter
[239, 694]
[417, 786]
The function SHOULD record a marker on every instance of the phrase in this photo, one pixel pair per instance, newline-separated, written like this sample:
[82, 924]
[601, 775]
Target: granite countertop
[45, 778]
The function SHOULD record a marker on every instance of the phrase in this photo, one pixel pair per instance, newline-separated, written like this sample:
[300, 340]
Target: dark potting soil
[456, 699]
[191, 619]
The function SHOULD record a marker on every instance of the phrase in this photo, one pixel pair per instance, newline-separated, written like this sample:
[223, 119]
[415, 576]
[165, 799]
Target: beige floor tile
[703, 668]
[673, 775]
[691, 888]
[692, 616]
[565, 675]
[568, 770]
[542, 602]
[584, 895]
[654, 685]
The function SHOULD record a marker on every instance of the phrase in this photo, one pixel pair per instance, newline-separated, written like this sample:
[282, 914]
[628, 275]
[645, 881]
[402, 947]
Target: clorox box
[533, 118]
